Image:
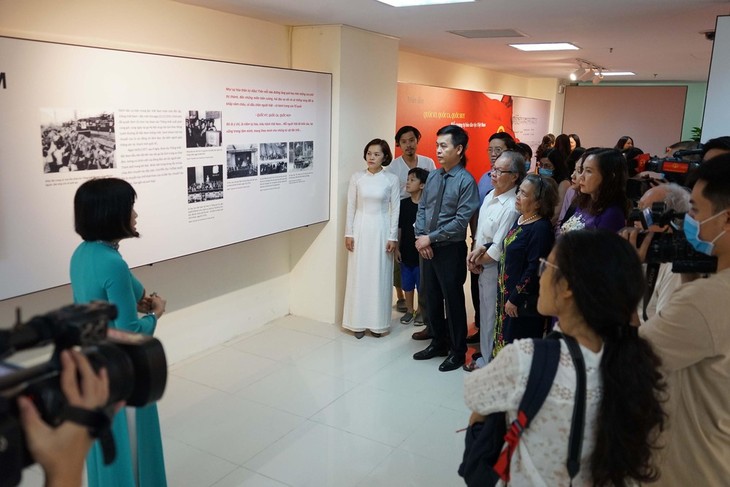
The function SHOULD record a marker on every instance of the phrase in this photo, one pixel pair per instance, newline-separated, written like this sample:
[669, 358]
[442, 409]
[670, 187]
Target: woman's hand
[61, 451]
[510, 309]
[391, 246]
[476, 418]
[350, 244]
[157, 305]
[144, 305]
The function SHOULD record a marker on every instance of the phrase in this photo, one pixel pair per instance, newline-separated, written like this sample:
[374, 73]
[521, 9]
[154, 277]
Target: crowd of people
[67, 148]
[552, 250]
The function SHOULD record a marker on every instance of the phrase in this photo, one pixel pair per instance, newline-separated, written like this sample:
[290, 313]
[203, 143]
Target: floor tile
[228, 370]
[279, 344]
[382, 416]
[316, 455]
[297, 390]
[405, 469]
[186, 465]
[230, 427]
[242, 477]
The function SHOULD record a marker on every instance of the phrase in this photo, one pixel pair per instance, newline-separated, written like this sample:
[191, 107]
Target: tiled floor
[301, 403]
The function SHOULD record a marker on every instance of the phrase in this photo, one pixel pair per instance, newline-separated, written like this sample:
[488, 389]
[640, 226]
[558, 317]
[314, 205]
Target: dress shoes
[452, 362]
[430, 352]
[424, 334]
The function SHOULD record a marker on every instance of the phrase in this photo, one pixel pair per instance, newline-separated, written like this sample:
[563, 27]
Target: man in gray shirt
[449, 200]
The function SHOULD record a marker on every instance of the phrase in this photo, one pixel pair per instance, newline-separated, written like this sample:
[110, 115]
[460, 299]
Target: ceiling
[659, 40]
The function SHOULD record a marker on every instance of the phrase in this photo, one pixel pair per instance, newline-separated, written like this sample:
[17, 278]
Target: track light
[598, 77]
[587, 70]
[587, 74]
[575, 75]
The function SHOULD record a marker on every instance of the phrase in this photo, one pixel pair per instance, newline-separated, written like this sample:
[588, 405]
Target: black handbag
[489, 445]
[528, 308]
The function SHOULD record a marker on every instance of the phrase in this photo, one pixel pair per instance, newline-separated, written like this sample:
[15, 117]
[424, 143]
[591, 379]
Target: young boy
[407, 255]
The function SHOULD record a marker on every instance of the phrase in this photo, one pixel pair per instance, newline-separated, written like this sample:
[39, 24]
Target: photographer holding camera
[61, 450]
[662, 282]
[691, 334]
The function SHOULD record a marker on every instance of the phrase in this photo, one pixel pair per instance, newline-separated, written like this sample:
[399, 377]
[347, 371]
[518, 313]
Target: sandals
[471, 366]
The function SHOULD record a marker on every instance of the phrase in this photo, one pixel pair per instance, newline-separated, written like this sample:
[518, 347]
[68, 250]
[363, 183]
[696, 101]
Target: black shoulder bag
[489, 445]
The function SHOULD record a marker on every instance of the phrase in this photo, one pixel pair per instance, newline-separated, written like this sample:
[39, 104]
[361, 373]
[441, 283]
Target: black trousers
[475, 296]
[444, 276]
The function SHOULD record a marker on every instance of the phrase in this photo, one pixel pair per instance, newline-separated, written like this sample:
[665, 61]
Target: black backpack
[489, 445]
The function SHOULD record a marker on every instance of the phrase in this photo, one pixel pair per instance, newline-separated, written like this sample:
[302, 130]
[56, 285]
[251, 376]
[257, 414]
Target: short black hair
[420, 173]
[524, 149]
[103, 209]
[459, 137]
[716, 175]
[387, 154]
[721, 143]
[404, 130]
[508, 140]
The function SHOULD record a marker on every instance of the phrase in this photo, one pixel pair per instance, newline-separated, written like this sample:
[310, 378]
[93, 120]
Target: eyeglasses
[495, 150]
[498, 172]
[543, 264]
[536, 179]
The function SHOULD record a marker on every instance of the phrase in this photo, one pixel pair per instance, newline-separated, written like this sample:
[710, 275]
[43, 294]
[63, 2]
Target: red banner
[428, 109]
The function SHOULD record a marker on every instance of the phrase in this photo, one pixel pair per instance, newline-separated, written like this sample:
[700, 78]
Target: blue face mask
[691, 229]
[527, 167]
[545, 172]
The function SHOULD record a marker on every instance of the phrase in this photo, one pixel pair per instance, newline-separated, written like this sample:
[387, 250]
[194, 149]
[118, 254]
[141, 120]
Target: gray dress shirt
[459, 202]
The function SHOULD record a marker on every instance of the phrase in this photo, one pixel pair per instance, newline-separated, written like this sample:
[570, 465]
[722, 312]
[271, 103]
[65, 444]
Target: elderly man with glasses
[496, 216]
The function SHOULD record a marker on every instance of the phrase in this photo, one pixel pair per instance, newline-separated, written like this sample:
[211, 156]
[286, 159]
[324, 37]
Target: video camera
[671, 246]
[136, 366]
[675, 169]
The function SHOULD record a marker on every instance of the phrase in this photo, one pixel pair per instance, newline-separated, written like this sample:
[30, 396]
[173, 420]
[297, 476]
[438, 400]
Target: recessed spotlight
[419, 3]
[546, 46]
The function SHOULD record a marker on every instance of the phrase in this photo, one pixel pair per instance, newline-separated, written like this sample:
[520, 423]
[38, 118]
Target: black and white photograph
[205, 183]
[242, 161]
[77, 140]
[203, 129]
[273, 158]
[301, 155]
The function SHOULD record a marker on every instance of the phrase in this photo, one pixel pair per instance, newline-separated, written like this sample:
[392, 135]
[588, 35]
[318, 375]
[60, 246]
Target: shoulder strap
[544, 365]
[575, 444]
[542, 372]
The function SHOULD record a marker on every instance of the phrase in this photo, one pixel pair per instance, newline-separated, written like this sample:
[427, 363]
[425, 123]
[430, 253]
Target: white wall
[364, 67]
[214, 295]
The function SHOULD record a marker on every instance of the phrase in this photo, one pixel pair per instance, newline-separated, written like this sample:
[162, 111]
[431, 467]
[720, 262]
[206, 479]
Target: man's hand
[423, 245]
[391, 246]
[350, 244]
[61, 451]
[632, 234]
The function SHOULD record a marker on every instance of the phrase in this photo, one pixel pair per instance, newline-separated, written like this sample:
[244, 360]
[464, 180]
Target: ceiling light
[547, 46]
[418, 3]
[619, 73]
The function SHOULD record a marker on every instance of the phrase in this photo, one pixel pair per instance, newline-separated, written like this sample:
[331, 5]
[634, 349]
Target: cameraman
[676, 198]
[691, 334]
[61, 451]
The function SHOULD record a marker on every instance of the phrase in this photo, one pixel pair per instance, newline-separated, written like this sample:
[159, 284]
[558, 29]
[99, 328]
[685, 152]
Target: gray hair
[516, 164]
[676, 198]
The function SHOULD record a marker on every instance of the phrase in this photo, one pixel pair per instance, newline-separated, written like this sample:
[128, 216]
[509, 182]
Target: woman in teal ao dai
[104, 215]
